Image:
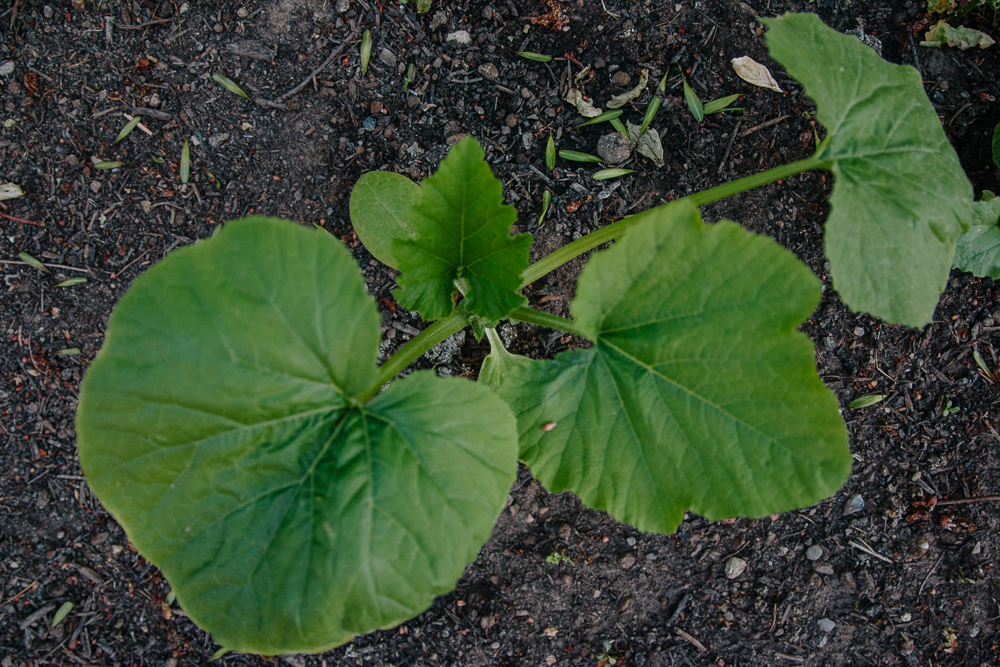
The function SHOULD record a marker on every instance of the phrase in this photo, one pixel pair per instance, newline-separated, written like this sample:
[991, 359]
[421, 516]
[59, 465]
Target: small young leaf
[695, 106]
[463, 242]
[219, 357]
[366, 51]
[379, 208]
[550, 153]
[423, 6]
[606, 116]
[104, 166]
[546, 202]
[619, 127]
[68, 352]
[127, 130]
[229, 85]
[574, 156]
[32, 262]
[69, 282]
[61, 614]
[409, 77]
[981, 362]
[654, 106]
[537, 57]
[157, 159]
[865, 401]
[218, 654]
[715, 106]
[698, 391]
[890, 240]
[185, 162]
[171, 597]
[606, 174]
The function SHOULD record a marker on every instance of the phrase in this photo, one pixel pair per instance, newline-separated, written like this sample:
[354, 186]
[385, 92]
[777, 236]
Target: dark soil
[898, 582]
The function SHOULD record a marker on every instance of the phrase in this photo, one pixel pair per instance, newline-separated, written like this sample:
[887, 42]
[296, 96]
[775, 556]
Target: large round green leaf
[380, 209]
[900, 198]
[219, 426]
[698, 392]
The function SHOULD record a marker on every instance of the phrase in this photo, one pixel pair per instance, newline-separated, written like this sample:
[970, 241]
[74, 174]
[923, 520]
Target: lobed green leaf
[978, 250]
[219, 426]
[697, 393]
[900, 198]
[463, 242]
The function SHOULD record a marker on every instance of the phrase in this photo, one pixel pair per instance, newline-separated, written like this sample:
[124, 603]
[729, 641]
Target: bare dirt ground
[876, 575]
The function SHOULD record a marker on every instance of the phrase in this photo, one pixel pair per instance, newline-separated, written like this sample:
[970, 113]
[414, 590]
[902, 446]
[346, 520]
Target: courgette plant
[295, 494]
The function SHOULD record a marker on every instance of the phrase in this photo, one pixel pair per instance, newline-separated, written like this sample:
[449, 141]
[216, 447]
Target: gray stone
[251, 48]
[460, 37]
[388, 57]
[614, 148]
[6, 68]
[342, 5]
[439, 19]
[826, 625]
[489, 71]
[815, 552]
[735, 566]
[854, 504]
[621, 78]
[217, 139]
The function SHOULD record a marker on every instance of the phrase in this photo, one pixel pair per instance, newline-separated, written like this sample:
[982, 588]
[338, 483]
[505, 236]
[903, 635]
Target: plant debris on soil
[899, 568]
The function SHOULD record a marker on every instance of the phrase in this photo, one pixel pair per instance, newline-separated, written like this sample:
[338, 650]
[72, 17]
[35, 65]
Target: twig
[793, 658]
[694, 642]
[13, 14]
[140, 26]
[729, 147]
[871, 552]
[57, 266]
[773, 121]
[32, 585]
[21, 220]
[965, 501]
[920, 592]
[326, 63]
[959, 112]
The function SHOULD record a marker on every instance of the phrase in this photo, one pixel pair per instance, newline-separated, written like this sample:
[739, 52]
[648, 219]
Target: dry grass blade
[185, 162]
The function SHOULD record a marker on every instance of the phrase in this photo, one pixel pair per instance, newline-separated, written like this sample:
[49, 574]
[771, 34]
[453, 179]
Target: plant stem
[969, 6]
[412, 351]
[532, 316]
[496, 345]
[554, 260]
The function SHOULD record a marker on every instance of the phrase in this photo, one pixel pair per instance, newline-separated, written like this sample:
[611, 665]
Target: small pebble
[489, 71]
[460, 37]
[824, 568]
[735, 566]
[439, 19]
[217, 139]
[621, 78]
[859, 331]
[815, 552]
[243, 12]
[630, 541]
[369, 124]
[826, 625]
[614, 148]
[387, 57]
[626, 561]
[6, 67]
[906, 617]
[342, 5]
[854, 504]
